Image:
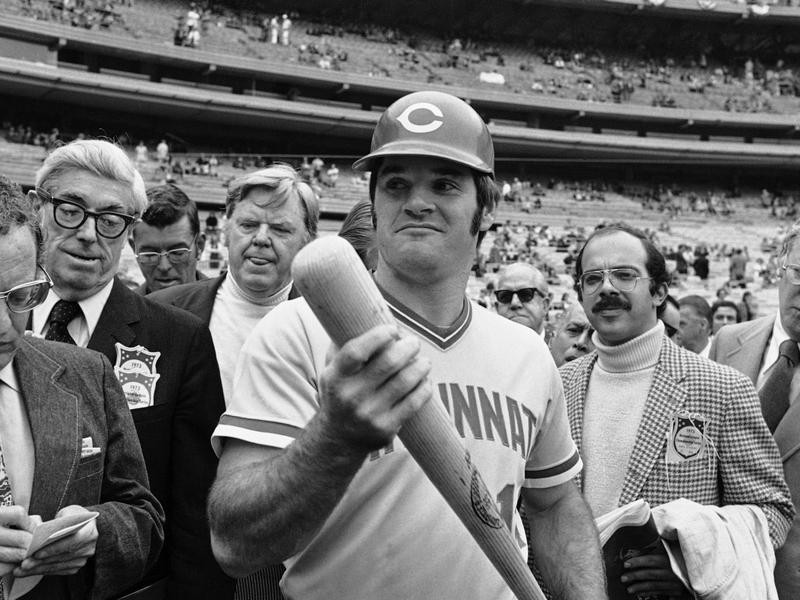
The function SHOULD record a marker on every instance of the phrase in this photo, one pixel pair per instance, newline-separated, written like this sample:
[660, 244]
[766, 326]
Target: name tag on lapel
[686, 438]
[135, 368]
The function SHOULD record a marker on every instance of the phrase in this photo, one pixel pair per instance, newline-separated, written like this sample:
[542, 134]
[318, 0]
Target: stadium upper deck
[150, 83]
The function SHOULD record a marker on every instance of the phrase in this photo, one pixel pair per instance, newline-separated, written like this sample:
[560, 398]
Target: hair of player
[284, 183]
[99, 157]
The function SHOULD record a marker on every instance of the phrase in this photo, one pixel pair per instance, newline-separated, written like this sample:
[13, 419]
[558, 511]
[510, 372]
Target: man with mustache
[657, 422]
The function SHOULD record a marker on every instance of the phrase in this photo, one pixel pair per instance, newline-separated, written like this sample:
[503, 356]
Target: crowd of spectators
[87, 14]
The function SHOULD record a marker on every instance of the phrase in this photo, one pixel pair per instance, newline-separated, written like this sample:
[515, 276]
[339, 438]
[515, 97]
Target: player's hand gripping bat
[346, 301]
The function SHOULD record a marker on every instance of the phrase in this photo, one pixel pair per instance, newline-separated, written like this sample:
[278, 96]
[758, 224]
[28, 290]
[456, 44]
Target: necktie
[6, 499]
[63, 312]
[774, 394]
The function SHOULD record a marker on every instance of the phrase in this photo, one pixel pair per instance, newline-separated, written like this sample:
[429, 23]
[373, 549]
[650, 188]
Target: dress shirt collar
[91, 307]
[8, 376]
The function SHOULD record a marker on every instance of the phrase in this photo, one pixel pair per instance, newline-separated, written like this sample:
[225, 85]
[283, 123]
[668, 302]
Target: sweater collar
[637, 354]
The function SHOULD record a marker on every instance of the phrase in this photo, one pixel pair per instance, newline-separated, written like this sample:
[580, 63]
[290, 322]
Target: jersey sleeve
[554, 458]
[275, 390]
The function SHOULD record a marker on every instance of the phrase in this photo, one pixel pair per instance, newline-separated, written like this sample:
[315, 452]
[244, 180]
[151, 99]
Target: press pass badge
[136, 370]
[686, 439]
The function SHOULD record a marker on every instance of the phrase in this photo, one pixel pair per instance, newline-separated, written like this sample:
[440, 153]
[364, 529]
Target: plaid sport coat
[740, 463]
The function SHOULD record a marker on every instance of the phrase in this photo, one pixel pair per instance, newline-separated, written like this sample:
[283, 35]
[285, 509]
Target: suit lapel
[664, 399]
[747, 354]
[53, 415]
[575, 395]
[119, 313]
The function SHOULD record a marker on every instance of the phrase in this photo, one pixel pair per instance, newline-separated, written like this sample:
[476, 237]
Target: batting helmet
[432, 124]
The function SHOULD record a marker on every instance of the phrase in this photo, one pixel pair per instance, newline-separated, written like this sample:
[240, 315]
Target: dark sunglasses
[670, 330]
[525, 295]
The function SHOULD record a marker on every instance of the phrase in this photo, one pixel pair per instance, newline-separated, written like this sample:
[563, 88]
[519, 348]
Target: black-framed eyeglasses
[525, 295]
[176, 256]
[70, 215]
[27, 296]
[623, 279]
[792, 273]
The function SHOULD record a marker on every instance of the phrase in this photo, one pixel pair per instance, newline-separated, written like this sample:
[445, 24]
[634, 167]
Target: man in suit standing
[759, 349]
[69, 447]
[655, 421]
[167, 240]
[89, 194]
[271, 214]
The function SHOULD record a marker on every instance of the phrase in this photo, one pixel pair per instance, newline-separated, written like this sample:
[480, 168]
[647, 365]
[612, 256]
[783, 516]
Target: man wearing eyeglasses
[657, 422]
[68, 446]
[522, 296]
[766, 350]
[167, 240]
[89, 195]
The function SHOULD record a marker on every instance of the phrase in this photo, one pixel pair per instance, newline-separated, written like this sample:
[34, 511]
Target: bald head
[529, 301]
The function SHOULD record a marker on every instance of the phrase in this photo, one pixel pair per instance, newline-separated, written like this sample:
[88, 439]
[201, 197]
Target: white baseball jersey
[392, 535]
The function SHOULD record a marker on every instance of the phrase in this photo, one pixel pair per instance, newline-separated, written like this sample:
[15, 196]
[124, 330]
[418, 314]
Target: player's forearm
[264, 512]
[566, 548]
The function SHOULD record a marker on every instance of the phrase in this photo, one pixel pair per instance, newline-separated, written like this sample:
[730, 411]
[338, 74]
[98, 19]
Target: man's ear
[35, 201]
[487, 218]
[200, 243]
[660, 295]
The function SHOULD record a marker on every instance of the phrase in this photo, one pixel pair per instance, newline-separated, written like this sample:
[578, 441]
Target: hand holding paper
[61, 546]
[15, 536]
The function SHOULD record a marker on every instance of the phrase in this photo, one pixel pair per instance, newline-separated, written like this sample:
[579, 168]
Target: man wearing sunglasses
[522, 296]
[89, 194]
[167, 241]
[67, 444]
[766, 350]
[657, 422]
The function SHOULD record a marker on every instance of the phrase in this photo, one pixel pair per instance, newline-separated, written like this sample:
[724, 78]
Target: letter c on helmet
[432, 125]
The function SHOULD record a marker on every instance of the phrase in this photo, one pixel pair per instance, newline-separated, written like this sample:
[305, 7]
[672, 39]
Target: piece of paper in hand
[50, 531]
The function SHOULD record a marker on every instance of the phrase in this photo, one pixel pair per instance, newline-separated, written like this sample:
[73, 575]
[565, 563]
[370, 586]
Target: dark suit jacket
[69, 394]
[175, 432]
[198, 297]
[743, 346]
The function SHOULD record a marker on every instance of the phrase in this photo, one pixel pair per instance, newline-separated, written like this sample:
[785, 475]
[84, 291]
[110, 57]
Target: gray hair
[284, 183]
[789, 239]
[99, 157]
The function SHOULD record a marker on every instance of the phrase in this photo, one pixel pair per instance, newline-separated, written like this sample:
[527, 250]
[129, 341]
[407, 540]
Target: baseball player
[311, 471]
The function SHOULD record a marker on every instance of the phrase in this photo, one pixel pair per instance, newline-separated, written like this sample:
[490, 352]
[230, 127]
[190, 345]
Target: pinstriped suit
[747, 469]
[743, 347]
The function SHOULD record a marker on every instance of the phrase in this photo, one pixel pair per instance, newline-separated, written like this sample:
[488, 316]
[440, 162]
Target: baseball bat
[347, 302]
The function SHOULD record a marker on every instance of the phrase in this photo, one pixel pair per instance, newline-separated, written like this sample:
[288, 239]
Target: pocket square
[89, 452]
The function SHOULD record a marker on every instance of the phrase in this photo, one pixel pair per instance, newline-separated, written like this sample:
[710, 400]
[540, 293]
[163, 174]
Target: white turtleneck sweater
[234, 316]
[615, 400]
